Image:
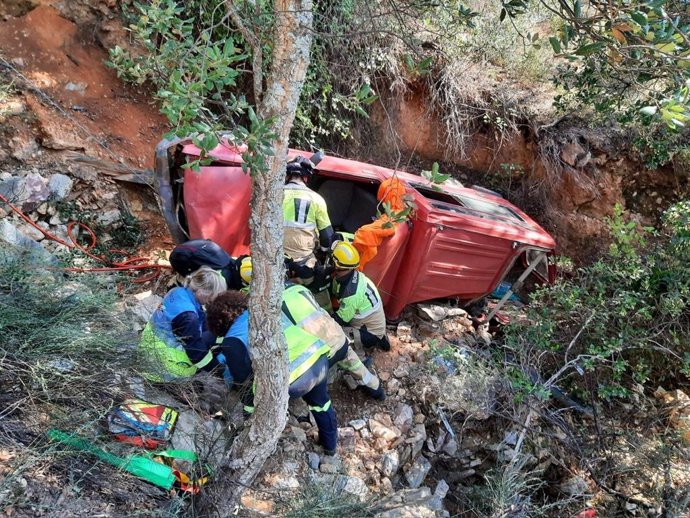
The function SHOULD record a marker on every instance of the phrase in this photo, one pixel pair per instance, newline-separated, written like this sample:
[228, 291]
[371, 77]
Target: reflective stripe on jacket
[301, 308]
[165, 351]
[358, 296]
[303, 348]
[299, 305]
[304, 208]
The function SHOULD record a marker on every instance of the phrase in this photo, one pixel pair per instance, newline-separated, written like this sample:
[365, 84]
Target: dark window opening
[350, 204]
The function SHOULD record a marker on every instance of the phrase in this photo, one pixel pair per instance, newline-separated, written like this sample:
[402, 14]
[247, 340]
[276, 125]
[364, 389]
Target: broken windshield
[463, 204]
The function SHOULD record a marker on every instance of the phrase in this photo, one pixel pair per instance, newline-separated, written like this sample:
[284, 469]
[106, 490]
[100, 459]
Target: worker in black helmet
[307, 227]
[189, 256]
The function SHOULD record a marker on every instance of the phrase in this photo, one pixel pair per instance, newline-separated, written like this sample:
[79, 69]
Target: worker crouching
[356, 300]
[301, 308]
[307, 356]
[176, 342]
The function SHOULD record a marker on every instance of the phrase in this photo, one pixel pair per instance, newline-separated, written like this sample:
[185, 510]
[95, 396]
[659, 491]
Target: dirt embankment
[61, 105]
[73, 101]
[567, 175]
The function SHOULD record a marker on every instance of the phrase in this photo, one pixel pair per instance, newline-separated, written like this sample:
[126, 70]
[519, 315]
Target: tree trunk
[292, 42]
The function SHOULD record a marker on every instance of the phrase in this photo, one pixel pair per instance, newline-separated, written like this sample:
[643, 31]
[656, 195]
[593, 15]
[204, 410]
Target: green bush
[196, 60]
[623, 321]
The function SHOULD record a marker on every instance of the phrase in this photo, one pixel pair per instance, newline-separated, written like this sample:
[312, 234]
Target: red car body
[459, 243]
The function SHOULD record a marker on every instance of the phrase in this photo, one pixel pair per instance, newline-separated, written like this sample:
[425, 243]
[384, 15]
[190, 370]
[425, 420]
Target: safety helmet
[300, 166]
[188, 257]
[345, 255]
[246, 270]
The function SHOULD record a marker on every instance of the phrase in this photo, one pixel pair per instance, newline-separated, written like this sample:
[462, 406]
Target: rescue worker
[307, 356]
[187, 257]
[300, 308]
[306, 221]
[356, 300]
[176, 342]
[246, 273]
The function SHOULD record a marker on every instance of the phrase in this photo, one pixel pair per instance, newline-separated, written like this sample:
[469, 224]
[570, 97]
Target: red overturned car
[458, 242]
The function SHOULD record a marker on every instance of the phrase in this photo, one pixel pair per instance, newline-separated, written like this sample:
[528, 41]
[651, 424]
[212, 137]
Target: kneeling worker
[188, 257]
[301, 309]
[176, 343]
[359, 308]
[307, 355]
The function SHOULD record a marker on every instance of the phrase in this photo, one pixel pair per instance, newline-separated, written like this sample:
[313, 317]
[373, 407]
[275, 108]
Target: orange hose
[111, 266]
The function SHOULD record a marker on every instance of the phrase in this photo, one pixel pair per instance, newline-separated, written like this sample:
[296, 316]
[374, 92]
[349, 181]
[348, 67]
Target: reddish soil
[60, 59]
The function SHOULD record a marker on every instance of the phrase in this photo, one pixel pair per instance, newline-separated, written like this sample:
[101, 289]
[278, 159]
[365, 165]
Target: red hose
[110, 266]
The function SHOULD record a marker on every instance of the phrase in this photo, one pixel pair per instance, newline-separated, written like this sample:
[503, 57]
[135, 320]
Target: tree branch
[257, 52]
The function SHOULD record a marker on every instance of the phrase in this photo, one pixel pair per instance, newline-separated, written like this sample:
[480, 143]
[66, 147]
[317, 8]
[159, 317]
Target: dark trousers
[312, 386]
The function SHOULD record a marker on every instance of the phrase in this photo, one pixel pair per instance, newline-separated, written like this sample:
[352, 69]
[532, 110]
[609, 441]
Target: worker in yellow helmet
[301, 309]
[245, 273]
[356, 300]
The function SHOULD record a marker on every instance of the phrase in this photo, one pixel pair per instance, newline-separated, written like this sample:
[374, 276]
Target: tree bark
[290, 59]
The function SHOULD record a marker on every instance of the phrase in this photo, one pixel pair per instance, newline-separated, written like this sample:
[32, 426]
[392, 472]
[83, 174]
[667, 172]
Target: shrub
[623, 321]
[63, 345]
[322, 501]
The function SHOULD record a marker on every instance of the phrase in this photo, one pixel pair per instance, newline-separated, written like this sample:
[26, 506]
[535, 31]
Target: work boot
[379, 394]
[384, 343]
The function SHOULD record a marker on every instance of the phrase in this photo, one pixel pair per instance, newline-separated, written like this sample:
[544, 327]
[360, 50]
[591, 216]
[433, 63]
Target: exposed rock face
[60, 186]
[571, 176]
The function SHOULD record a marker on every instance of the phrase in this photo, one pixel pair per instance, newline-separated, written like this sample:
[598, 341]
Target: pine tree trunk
[292, 42]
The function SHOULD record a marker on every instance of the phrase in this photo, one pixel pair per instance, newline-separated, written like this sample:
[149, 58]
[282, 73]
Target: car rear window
[469, 205]
[488, 207]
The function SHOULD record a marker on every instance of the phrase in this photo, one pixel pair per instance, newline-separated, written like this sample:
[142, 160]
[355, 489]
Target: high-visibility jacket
[305, 215]
[303, 348]
[301, 309]
[357, 296]
[162, 347]
[304, 208]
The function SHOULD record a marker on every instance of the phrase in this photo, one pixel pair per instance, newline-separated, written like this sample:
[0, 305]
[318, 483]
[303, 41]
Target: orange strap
[369, 237]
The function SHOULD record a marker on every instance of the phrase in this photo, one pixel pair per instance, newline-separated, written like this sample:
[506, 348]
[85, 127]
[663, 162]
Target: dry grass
[64, 353]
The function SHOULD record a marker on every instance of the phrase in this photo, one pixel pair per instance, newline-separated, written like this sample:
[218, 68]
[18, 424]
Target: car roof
[230, 154]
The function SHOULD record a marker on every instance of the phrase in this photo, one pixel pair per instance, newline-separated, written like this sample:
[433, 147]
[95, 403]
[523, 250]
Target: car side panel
[216, 200]
[443, 261]
[383, 269]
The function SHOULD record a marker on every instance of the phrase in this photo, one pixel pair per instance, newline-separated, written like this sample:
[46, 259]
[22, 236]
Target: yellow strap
[323, 408]
[204, 361]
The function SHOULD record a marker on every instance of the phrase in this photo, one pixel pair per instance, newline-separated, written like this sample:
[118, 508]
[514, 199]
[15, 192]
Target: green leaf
[648, 110]
[503, 15]
[424, 65]
[363, 92]
[666, 47]
[653, 4]
[555, 44]
[640, 18]
[578, 9]
[590, 48]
